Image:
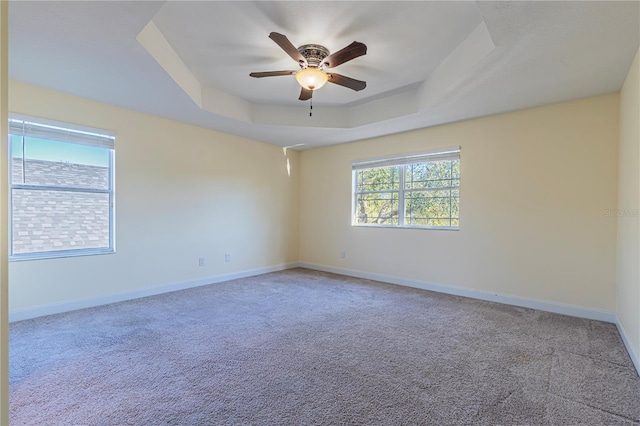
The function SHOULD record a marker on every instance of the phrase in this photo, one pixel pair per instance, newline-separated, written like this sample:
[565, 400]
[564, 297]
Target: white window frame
[451, 153]
[26, 126]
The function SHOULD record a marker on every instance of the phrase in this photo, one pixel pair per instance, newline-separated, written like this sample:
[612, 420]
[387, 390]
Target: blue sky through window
[48, 150]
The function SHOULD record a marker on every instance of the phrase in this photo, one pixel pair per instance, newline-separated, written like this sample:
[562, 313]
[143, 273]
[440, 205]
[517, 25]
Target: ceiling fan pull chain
[311, 107]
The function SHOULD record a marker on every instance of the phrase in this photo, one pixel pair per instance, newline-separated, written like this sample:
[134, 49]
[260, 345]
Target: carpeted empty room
[307, 347]
[196, 230]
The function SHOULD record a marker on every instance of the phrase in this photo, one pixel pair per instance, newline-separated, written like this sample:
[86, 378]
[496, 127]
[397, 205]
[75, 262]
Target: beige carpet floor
[301, 347]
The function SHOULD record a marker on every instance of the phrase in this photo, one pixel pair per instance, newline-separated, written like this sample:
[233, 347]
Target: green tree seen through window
[422, 194]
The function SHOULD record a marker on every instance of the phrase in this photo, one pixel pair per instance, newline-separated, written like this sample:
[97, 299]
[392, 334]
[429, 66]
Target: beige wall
[535, 188]
[534, 191]
[182, 192]
[628, 277]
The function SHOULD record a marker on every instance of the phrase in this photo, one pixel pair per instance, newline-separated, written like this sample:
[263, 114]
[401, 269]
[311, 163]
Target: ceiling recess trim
[451, 71]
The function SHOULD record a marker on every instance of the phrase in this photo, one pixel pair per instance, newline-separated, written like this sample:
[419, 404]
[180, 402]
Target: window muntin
[414, 191]
[61, 190]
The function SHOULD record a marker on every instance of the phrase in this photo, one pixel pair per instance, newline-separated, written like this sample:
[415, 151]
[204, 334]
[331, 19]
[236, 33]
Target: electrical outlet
[342, 255]
[201, 261]
[227, 257]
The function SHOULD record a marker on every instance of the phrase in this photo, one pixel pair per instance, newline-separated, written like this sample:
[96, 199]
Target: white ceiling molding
[154, 42]
[206, 98]
[428, 63]
[221, 103]
[458, 64]
[387, 106]
[290, 116]
[405, 103]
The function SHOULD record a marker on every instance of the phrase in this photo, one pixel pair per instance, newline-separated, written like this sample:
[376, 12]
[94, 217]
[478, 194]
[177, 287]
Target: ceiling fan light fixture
[313, 59]
[311, 78]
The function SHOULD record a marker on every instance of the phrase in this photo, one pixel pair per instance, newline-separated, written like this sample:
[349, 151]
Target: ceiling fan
[313, 59]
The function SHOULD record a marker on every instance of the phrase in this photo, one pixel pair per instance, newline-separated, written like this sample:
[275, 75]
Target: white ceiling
[427, 63]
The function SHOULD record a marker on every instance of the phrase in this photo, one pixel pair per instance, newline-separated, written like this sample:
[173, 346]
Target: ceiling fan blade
[305, 94]
[290, 49]
[349, 82]
[350, 52]
[271, 73]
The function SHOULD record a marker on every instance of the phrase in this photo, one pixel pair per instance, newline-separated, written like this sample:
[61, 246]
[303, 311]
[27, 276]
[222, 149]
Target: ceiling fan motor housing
[314, 54]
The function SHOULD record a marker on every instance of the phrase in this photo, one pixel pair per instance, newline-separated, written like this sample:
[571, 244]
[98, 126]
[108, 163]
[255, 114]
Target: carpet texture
[301, 347]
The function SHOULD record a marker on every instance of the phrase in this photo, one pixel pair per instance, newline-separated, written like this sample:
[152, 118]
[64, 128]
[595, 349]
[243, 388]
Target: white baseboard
[72, 305]
[632, 352]
[525, 302]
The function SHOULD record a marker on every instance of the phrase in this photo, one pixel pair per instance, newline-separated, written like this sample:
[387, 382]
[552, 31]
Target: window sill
[430, 228]
[59, 254]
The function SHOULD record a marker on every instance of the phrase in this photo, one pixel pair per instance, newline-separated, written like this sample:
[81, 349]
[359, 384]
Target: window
[61, 189]
[415, 191]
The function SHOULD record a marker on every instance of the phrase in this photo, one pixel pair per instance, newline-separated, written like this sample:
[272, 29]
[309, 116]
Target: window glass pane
[52, 163]
[59, 220]
[378, 179]
[428, 208]
[455, 205]
[434, 174]
[438, 222]
[16, 159]
[455, 169]
[378, 208]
